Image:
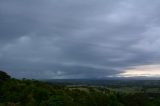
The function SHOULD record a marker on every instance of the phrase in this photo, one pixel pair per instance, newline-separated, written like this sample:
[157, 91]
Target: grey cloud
[77, 39]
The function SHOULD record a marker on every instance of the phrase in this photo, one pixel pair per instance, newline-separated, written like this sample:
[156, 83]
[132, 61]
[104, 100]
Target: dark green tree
[4, 76]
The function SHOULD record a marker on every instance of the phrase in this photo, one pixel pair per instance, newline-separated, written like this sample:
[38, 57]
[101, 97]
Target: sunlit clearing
[142, 71]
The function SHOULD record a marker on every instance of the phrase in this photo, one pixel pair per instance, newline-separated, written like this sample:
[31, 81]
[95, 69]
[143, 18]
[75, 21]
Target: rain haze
[62, 39]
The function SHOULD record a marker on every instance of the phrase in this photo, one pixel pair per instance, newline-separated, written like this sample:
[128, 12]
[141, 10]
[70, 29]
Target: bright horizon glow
[142, 71]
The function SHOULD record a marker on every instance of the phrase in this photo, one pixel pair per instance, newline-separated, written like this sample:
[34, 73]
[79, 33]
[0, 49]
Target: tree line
[14, 92]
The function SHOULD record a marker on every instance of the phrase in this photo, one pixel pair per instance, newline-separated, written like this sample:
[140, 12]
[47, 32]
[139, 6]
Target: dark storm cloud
[77, 39]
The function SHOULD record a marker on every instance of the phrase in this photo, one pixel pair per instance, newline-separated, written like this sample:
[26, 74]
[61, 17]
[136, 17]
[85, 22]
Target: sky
[61, 39]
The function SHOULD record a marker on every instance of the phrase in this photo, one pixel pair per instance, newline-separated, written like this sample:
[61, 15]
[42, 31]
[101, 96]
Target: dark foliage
[25, 92]
[4, 76]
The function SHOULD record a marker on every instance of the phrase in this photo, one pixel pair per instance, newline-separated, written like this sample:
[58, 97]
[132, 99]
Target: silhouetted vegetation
[4, 76]
[25, 92]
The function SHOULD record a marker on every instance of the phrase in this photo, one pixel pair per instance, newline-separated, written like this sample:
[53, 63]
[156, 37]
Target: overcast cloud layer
[78, 38]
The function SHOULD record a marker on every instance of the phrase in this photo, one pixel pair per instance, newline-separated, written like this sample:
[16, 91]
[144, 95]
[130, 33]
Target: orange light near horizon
[142, 71]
